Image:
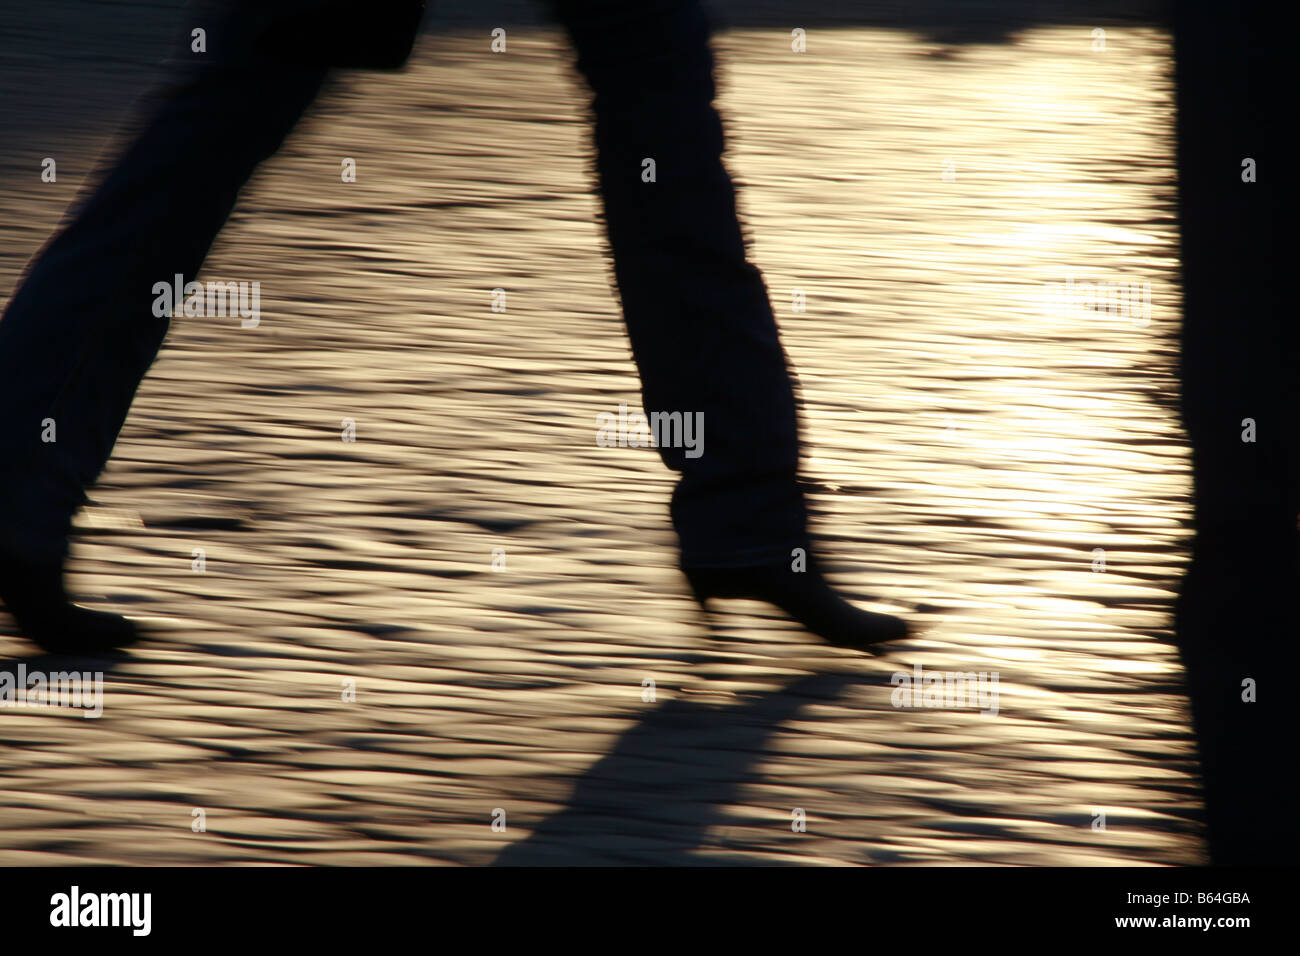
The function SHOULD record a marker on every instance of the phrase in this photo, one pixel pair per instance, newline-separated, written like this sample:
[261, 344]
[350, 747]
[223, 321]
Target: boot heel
[698, 591]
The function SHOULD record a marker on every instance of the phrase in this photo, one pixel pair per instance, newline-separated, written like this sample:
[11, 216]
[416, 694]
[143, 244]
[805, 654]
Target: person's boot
[805, 595]
[34, 596]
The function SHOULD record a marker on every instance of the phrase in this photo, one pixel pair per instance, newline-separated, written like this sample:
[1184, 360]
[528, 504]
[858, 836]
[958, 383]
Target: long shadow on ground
[653, 798]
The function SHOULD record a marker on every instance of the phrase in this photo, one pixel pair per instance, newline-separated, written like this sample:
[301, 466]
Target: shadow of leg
[652, 799]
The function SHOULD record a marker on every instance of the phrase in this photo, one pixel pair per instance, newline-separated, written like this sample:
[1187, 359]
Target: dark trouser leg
[702, 329]
[1237, 619]
[80, 333]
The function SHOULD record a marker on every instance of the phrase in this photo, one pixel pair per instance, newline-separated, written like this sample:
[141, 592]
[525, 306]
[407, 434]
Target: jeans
[80, 332]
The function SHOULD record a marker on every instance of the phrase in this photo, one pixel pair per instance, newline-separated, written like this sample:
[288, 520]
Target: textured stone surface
[969, 453]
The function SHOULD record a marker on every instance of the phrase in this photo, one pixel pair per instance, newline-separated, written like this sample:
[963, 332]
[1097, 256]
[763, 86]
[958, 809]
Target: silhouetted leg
[701, 327]
[80, 332]
[703, 333]
[1237, 620]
